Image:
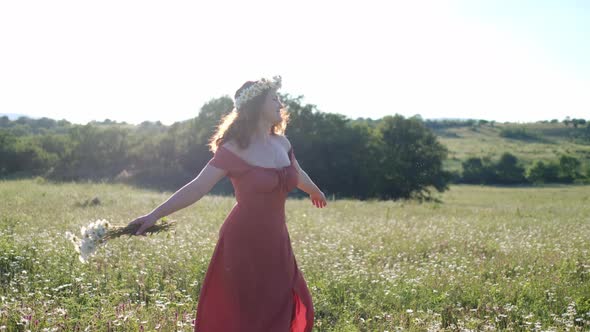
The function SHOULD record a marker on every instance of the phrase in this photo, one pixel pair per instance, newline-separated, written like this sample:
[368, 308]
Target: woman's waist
[260, 219]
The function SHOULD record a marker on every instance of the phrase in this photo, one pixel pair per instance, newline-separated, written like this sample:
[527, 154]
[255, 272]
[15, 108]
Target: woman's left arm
[305, 183]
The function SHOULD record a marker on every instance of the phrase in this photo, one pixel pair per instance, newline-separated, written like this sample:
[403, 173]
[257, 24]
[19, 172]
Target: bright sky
[162, 60]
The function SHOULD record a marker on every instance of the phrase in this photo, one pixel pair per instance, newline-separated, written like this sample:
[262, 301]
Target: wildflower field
[484, 259]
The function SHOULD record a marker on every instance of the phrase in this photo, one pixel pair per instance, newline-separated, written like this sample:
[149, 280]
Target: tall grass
[487, 258]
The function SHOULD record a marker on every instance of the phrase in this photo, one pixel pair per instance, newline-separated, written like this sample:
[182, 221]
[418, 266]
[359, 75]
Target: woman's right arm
[183, 197]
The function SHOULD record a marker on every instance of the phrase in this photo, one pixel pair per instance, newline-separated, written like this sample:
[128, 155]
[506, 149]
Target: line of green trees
[390, 158]
[508, 170]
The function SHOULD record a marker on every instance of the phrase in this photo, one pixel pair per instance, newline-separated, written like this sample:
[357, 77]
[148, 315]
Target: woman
[252, 282]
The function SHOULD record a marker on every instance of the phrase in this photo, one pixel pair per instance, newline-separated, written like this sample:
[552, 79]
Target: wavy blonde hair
[239, 124]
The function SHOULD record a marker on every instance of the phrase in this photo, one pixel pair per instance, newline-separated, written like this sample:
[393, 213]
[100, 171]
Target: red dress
[253, 283]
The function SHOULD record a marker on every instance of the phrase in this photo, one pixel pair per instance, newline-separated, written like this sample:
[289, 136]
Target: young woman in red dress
[253, 283]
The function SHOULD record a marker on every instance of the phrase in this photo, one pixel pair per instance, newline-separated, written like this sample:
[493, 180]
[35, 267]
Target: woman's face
[271, 108]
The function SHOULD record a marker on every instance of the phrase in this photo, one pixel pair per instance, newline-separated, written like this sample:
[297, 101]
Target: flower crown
[257, 88]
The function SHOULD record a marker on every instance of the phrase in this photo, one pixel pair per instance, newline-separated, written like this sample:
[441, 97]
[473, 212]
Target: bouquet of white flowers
[98, 232]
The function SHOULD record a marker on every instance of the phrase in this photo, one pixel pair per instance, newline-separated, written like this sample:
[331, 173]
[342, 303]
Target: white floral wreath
[257, 88]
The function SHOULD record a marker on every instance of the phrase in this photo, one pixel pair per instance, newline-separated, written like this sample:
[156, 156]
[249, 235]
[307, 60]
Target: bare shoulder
[284, 141]
[230, 145]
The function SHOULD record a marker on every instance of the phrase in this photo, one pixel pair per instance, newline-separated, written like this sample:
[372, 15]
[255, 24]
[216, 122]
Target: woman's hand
[318, 199]
[146, 222]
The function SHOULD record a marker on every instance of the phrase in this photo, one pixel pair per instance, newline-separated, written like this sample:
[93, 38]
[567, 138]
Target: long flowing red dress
[253, 283]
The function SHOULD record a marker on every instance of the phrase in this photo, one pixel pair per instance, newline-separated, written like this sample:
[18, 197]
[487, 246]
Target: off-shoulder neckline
[261, 167]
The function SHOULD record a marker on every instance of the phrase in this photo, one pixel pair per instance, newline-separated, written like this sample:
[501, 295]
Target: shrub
[542, 172]
[520, 133]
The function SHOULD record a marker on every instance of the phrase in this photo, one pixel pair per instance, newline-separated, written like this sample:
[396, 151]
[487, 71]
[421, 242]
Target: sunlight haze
[145, 60]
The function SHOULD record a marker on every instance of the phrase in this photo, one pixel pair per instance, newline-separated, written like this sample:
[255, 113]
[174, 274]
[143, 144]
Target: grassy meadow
[485, 259]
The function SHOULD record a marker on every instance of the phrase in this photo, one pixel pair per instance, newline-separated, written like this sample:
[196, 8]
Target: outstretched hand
[318, 199]
[145, 222]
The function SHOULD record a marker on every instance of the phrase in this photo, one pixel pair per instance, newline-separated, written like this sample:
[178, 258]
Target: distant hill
[15, 116]
[528, 141]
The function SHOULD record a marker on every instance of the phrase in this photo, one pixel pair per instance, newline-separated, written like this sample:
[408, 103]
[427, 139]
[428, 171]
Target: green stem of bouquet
[130, 230]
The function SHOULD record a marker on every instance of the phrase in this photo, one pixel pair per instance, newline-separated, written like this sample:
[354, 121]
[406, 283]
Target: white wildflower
[97, 232]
